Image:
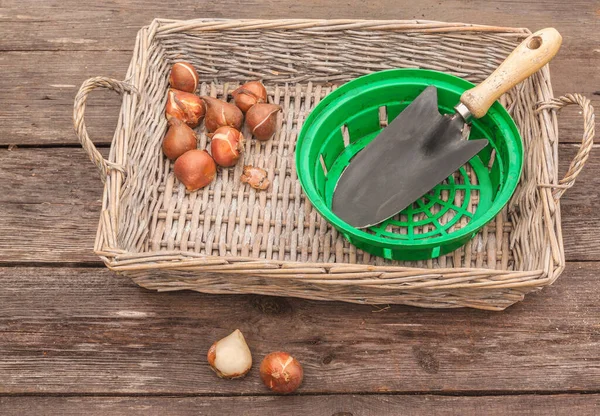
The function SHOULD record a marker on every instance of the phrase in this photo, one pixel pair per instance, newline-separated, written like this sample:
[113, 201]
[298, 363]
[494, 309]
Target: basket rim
[163, 26]
[106, 246]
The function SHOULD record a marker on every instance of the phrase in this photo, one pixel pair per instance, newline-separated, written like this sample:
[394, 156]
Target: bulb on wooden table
[281, 372]
[230, 357]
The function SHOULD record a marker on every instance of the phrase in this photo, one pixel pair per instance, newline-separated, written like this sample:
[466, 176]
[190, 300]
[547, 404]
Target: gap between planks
[458, 393]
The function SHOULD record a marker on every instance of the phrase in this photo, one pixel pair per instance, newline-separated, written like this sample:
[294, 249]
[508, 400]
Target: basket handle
[586, 144]
[102, 164]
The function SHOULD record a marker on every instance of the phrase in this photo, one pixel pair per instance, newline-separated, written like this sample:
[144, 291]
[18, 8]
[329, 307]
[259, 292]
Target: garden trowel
[420, 148]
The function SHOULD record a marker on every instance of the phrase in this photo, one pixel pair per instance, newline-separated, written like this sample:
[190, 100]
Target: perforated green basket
[451, 213]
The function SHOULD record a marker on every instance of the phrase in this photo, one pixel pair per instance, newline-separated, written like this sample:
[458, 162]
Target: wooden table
[75, 339]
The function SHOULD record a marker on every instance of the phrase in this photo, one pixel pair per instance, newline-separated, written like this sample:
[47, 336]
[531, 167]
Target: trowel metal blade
[418, 150]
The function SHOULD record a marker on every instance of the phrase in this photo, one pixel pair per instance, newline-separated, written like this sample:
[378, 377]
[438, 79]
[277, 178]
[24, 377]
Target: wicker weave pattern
[230, 239]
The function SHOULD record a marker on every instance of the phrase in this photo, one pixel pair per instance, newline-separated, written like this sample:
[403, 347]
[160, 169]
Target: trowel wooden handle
[532, 54]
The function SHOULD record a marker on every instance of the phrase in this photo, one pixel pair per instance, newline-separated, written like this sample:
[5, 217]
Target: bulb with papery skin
[226, 146]
[281, 372]
[179, 139]
[230, 357]
[183, 77]
[184, 106]
[250, 93]
[220, 113]
[195, 169]
[261, 119]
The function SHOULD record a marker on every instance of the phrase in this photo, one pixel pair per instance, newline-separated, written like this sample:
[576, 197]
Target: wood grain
[28, 119]
[49, 205]
[337, 405]
[50, 202]
[85, 330]
[38, 99]
[579, 211]
[76, 331]
[75, 25]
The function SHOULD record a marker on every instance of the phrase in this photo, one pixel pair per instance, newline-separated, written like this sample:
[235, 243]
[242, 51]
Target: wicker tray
[229, 239]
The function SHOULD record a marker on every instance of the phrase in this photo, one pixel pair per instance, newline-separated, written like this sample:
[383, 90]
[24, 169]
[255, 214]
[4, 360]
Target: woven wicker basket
[228, 238]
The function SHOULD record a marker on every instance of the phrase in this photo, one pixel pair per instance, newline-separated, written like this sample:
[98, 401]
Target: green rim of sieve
[347, 119]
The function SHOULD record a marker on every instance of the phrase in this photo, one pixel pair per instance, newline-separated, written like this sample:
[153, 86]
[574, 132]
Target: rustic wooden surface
[334, 405]
[75, 338]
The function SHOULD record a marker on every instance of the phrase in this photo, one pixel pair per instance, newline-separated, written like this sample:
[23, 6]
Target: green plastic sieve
[444, 219]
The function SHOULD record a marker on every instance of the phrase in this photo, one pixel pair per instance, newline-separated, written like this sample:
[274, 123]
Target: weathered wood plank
[55, 77]
[39, 123]
[38, 98]
[50, 206]
[336, 405]
[39, 89]
[109, 26]
[77, 330]
[579, 211]
[50, 200]
[74, 330]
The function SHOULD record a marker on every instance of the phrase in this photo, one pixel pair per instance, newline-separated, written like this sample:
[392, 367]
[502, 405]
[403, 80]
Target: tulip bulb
[230, 357]
[261, 119]
[184, 106]
[220, 113]
[195, 169]
[183, 77]
[179, 139]
[250, 93]
[281, 372]
[226, 146]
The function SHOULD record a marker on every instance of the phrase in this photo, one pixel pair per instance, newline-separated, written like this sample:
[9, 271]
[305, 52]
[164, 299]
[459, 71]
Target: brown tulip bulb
[281, 372]
[195, 169]
[226, 146]
[220, 113]
[185, 106]
[261, 119]
[250, 93]
[179, 139]
[183, 77]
